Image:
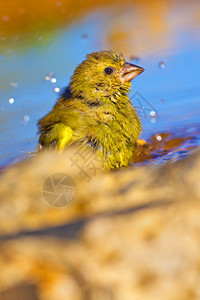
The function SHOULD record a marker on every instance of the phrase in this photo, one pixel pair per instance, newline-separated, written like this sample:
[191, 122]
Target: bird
[95, 110]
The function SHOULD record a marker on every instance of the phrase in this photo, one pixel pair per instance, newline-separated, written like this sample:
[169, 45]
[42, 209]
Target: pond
[43, 41]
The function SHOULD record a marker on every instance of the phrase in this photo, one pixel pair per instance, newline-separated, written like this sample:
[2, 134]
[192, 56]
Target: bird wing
[58, 135]
[54, 132]
[57, 127]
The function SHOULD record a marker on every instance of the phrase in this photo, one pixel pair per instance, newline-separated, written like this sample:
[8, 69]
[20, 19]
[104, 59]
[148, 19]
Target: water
[164, 38]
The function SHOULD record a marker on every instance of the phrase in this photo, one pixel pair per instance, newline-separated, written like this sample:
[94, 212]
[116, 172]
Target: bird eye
[108, 70]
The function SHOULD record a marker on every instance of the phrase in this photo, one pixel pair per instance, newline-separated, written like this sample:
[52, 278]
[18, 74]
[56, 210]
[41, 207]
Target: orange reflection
[140, 25]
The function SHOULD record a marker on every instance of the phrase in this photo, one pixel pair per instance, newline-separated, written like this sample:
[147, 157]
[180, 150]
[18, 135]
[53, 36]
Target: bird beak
[130, 71]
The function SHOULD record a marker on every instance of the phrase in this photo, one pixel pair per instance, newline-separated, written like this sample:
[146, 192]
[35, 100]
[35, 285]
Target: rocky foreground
[133, 233]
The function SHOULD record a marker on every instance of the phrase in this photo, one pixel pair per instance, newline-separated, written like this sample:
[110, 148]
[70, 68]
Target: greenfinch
[96, 111]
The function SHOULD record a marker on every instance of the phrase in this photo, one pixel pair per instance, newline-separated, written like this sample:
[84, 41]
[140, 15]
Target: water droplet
[56, 90]
[59, 3]
[49, 76]
[11, 100]
[134, 58]
[26, 118]
[159, 138]
[53, 80]
[84, 36]
[14, 84]
[5, 18]
[161, 65]
[153, 113]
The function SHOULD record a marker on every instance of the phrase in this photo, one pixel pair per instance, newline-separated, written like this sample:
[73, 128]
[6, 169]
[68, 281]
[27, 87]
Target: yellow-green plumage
[95, 110]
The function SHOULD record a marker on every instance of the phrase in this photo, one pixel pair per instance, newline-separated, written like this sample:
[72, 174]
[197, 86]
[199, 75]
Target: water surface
[165, 38]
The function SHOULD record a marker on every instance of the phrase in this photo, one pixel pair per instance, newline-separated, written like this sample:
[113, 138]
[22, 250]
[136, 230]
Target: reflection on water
[167, 146]
[49, 40]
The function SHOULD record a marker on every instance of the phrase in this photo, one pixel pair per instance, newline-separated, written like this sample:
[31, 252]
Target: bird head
[103, 74]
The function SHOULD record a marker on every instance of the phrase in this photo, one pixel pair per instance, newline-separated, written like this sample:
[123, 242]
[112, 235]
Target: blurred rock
[138, 233]
[23, 206]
